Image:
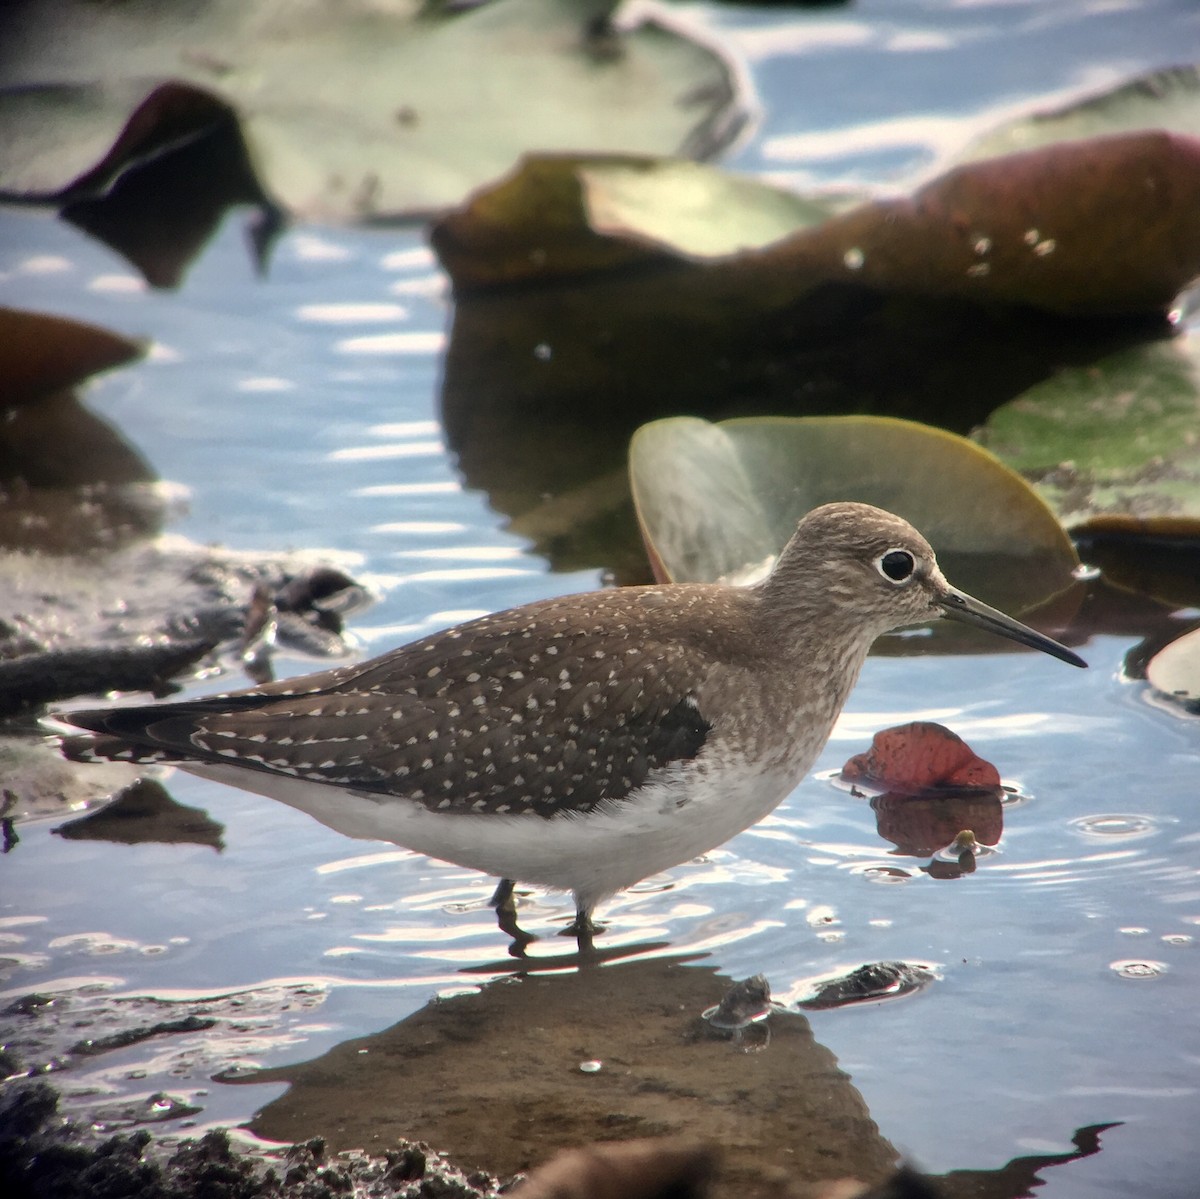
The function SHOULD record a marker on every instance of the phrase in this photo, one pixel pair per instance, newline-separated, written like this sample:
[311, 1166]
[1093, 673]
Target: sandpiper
[580, 743]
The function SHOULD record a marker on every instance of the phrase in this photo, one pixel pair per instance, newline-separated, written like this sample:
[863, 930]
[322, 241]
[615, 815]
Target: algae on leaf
[1116, 443]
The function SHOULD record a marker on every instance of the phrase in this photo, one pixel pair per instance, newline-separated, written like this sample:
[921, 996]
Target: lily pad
[1104, 225]
[371, 110]
[566, 215]
[42, 354]
[918, 757]
[1115, 445]
[719, 500]
[1167, 99]
[1175, 671]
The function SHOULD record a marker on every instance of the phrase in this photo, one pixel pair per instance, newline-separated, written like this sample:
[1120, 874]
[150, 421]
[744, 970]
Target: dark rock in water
[43, 1155]
[872, 981]
[743, 1004]
[132, 621]
[31, 680]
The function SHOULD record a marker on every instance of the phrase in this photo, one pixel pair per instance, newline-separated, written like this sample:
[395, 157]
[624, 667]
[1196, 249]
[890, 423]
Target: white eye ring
[896, 565]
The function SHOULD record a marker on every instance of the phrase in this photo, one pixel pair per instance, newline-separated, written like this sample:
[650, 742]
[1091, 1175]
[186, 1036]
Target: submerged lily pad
[370, 110]
[719, 500]
[1115, 445]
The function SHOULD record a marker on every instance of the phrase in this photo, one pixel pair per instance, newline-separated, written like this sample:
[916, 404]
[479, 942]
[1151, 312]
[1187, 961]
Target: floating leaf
[350, 111]
[42, 354]
[1104, 225]
[1115, 445]
[562, 216]
[1164, 100]
[1175, 671]
[1098, 226]
[715, 501]
[68, 480]
[917, 757]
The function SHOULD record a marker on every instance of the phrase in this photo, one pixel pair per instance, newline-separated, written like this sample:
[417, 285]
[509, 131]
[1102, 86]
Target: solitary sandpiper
[580, 743]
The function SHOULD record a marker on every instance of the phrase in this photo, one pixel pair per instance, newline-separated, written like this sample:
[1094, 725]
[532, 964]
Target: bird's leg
[506, 917]
[502, 898]
[583, 929]
[506, 920]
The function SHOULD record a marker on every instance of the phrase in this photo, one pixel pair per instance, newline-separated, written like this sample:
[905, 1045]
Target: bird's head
[856, 563]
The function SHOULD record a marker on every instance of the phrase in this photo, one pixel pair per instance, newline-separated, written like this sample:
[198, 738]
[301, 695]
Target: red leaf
[918, 756]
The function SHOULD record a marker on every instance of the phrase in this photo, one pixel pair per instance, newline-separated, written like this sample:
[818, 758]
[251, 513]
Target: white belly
[687, 811]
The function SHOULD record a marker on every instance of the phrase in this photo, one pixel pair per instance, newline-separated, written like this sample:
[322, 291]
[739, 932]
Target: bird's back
[555, 707]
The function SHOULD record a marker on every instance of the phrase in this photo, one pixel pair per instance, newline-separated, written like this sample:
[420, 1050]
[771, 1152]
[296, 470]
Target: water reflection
[922, 825]
[504, 1076]
[494, 1078]
[145, 812]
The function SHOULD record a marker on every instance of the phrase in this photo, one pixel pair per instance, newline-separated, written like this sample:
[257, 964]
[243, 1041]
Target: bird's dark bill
[957, 605]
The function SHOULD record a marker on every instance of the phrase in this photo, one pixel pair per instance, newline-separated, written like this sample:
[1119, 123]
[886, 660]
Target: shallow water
[302, 411]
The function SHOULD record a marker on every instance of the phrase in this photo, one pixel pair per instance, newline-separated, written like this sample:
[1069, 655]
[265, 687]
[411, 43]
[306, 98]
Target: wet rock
[135, 619]
[743, 1004]
[872, 981]
[662, 1168]
[35, 679]
[44, 1156]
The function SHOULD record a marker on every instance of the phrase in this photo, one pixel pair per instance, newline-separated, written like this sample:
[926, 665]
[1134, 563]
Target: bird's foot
[583, 929]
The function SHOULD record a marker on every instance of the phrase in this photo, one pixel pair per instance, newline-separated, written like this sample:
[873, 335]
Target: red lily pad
[918, 757]
[41, 354]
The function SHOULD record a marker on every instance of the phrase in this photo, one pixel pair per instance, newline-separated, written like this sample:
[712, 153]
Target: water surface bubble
[877, 872]
[1138, 969]
[1115, 824]
[821, 915]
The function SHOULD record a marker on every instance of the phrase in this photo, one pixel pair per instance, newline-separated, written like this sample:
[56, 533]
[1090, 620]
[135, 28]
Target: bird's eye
[896, 565]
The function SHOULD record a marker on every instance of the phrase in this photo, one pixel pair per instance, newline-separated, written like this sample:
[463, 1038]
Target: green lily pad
[717, 501]
[369, 110]
[692, 209]
[1104, 225]
[558, 216]
[1175, 671]
[1113, 444]
[1167, 100]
